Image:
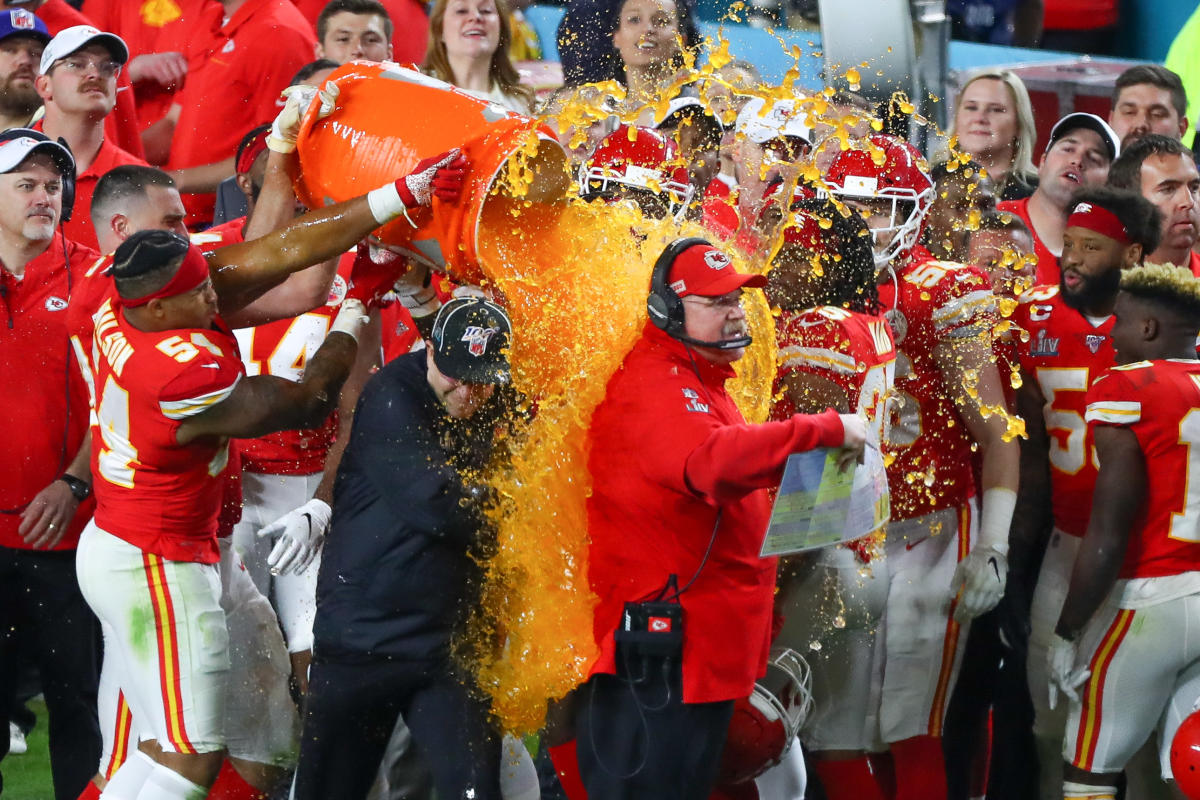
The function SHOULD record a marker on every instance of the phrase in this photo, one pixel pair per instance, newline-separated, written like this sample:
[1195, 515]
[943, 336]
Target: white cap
[17, 144]
[784, 119]
[685, 106]
[1081, 119]
[78, 37]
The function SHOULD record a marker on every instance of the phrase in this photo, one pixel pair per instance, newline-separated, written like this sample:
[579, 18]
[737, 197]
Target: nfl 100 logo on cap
[470, 338]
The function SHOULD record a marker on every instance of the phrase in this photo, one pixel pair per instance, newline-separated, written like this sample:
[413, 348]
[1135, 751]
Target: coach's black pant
[636, 738]
[43, 616]
[351, 708]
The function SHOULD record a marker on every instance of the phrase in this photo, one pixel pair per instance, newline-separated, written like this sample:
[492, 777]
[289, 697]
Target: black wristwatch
[80, 488]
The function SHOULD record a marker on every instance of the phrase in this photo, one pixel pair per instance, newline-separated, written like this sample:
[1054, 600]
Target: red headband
[251, 151]
[191, 273]
[1100, 220]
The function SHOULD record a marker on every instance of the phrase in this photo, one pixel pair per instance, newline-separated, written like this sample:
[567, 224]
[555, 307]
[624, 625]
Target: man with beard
[1079, 153]
[1068, 345]
[1164, 172]
[22, 38]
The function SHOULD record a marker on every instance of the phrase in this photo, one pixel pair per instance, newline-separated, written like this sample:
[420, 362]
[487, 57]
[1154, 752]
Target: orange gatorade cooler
[387, 119]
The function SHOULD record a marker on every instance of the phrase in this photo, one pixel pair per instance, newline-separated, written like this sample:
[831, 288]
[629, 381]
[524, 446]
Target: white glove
[301, 532]
[286, 126]
[980, 577]
[1064, 677]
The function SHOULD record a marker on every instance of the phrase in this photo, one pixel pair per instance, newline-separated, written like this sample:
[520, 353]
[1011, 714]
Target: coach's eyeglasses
[726, 302]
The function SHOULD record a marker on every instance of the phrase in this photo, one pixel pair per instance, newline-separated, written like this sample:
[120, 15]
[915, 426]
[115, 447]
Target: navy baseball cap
[19, 22]
[470, 341]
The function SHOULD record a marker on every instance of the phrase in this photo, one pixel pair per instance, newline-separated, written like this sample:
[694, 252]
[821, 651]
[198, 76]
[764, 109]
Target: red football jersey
[1064, 353]
[1160, 402]
[283, 348]
[1048, 271]
[163, 497]
[853, 350]
[928, 446]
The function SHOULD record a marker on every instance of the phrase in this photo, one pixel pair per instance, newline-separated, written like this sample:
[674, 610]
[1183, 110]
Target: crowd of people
[246, 512]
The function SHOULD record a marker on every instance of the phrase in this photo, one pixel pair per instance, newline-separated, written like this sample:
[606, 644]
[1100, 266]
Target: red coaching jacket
[670, 451]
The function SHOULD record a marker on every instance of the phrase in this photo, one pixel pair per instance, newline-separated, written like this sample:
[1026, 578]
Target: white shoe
[16, 740]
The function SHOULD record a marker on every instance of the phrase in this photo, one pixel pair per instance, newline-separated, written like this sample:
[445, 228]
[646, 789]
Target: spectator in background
[78, 86]
[243, 54]
[1002, 246]
[1148, 99]
[646, 37]
[589, 58]
[1164, 172]
[23, 36]
[962, 196]
[157, 34]
[993, 120]
[698, 133]
[468, 48]
[351, 29]
[410, 25]
[1081, 148]
[122, 125]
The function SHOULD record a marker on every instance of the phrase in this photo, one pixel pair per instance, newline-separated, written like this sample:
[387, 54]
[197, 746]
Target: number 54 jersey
[158, 495]
[1160, 402]
[1064, 354]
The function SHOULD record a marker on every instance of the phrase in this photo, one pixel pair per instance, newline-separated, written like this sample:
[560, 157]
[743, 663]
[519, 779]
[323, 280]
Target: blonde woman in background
[469, 44]
[993, 121]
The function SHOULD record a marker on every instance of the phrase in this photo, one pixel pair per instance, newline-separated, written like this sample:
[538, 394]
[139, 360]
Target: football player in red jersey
[1063, 346]
[640, 164]
[136, 198]
[945, 567]
[834, 352]
[1122, 650]
[171, 392]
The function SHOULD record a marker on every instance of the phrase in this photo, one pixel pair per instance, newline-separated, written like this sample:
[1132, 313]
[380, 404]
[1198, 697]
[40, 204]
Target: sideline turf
[27, 777]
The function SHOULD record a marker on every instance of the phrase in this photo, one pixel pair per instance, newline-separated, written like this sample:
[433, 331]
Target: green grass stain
[141, 631]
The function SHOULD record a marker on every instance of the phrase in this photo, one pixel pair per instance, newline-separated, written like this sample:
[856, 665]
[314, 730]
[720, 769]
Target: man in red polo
[78, 87]
[1081, 148]
[1164, 172]
[677, 514]
[243, 49]
[45, 483]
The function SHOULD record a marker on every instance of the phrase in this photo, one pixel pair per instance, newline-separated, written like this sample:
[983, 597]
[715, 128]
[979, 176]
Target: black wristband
[79, 487]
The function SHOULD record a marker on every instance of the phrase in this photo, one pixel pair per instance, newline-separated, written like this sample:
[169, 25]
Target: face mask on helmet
[898, 189]
[765, 725]
[647, 162]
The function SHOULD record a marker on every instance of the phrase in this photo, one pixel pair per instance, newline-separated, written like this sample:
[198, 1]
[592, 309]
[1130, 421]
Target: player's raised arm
[263, 404]
[242, 272]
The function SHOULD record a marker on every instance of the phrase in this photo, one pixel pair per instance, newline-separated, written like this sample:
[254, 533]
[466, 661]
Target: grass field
[27, 777]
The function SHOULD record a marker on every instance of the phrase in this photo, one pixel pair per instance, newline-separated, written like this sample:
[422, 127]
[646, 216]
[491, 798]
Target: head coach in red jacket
[676, 519]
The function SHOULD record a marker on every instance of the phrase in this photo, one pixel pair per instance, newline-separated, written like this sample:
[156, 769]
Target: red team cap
[705, 271]
[1099, 220]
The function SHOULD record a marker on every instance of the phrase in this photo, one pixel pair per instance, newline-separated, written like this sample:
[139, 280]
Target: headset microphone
[665, 306]
[726, 344]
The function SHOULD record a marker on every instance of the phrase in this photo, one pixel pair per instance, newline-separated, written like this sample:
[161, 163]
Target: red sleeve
[206, 381]
[737, 459]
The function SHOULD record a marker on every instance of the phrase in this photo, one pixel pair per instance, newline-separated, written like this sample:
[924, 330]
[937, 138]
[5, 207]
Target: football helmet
[765, 724]
[1185, 756]
[640, 158]
[900, 177]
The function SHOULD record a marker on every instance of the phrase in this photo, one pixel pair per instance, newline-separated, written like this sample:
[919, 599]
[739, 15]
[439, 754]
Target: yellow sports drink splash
[574, 278]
